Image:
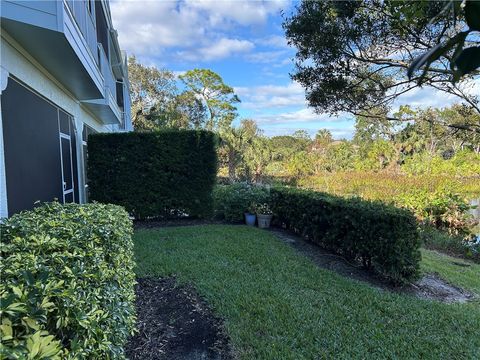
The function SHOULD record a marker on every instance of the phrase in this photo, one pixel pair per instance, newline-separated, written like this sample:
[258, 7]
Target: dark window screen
[64, 122]
[69, 198]
[32, 148]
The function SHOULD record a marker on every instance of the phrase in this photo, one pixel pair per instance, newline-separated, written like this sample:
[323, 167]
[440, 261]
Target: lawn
[463, 273]
[278, 305]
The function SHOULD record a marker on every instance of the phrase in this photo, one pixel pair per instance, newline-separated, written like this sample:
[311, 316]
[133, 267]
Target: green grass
[451, 269]
[278, 305]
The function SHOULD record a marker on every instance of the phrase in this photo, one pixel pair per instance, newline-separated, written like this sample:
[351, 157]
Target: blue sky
[244, 42]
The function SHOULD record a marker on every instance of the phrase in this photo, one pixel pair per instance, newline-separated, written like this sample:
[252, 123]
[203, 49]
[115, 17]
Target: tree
[218, 98]
[323, 137]
[300, 164]
[187, 112]
[235, 141]
[354, 56]
[152, 91]
[257, 156]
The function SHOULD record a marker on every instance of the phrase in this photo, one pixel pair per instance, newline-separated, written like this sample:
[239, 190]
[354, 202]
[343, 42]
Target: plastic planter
[250, 219]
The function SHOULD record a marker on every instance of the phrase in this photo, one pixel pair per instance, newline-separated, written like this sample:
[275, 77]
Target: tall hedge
[159, 174]
[382, 237]
[67, 289]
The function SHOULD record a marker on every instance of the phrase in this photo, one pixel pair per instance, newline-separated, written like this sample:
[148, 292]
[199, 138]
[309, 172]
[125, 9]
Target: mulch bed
[174, 323]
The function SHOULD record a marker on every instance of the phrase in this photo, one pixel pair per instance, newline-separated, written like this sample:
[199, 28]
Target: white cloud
[431, 97]
[242, 12]
[273, 41]
[196, 29]
[271, 96]
[266, 57]
[305, 115]
[220, 49]
[147, 28]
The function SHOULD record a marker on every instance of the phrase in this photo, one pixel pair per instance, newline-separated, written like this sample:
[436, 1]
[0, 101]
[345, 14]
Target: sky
[242, 41]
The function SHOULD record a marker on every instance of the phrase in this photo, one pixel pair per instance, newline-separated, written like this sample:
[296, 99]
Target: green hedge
[382, 237]
[159, 174]
[67, 289]
[232, 201]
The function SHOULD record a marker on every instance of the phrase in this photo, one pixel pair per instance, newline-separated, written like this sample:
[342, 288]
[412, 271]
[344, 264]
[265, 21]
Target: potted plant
[264, 215]
[250, 216]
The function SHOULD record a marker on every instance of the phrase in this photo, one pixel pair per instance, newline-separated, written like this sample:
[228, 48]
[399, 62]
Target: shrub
[67, 282]
[441, 208]
[455, 245]
[381, 237]
[232, 201]
[168, 173]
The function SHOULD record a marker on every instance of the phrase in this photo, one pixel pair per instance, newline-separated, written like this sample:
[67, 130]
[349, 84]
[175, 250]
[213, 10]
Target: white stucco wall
[18, 63]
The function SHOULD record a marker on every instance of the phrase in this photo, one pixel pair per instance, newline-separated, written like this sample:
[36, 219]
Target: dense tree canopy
[217, 97]
[354, 56]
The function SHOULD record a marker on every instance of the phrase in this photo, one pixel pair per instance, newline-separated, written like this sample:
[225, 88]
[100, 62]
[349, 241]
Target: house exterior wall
[19, 63]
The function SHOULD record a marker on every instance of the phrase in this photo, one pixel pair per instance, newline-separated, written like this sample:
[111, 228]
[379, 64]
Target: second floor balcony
[72, 41]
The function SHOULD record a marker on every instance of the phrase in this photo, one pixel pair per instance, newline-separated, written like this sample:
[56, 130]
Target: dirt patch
[430, 286]
[174, 323]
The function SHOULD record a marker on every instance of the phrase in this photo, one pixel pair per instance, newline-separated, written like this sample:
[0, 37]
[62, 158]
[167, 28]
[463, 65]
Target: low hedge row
[166, 173]
[382, 237]
[232, 201]
[67, 289]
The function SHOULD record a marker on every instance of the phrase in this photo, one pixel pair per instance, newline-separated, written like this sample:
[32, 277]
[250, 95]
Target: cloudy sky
[243, 41]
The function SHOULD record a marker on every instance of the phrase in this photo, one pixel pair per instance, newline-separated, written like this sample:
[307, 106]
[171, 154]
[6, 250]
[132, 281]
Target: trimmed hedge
[232, 201]
[382, 237]
[67, 289]
[168, 173]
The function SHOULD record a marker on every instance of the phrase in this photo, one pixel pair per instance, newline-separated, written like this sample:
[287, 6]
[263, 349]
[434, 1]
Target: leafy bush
[442, 208]
[168, 173]
[232, 201]
[463, 163]
[455, 245]
[67, 283]
[382, 237]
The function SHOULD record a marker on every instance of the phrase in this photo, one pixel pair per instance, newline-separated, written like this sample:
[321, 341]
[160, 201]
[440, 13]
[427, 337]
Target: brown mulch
[173, 322]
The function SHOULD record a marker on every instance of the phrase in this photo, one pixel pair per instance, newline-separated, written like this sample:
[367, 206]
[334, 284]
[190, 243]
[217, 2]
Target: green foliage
[465, 60]
[158, 174]
[443, 208]
[455, 245]
[382, 237]
[67, 283]
[463, 163]
[217, 97]
[352, 55]
[380, 154]
[152, 93]
[300, 164]
[232, 201]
